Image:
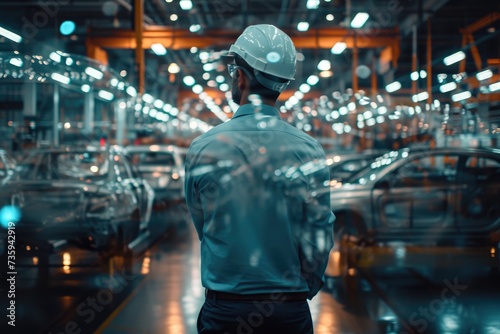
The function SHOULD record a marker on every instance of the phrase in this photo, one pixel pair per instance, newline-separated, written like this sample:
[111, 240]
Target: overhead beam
[176, 39]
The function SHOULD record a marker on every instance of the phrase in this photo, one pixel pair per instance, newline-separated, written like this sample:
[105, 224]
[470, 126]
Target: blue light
[67, 27]
[9, 213]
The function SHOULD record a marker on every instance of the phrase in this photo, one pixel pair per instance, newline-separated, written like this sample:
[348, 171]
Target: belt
[271, 297]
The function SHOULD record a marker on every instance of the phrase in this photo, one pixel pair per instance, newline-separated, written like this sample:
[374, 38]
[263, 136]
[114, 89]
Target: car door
[142, 190]
[478, 193]
[416, 198]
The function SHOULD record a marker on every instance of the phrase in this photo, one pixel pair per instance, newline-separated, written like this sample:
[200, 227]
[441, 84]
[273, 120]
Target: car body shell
[7, 167]
[454, 205]
[164, 171]
[87, 211]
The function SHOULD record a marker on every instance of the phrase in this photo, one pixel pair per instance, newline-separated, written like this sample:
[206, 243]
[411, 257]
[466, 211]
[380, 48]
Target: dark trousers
[254, 317]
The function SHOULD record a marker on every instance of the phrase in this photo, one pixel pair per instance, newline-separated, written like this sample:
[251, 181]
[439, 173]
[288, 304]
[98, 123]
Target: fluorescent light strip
[359, 20]
[338, 48]
[312, 4]
[148, 98]
[461, 96]
[85, 88]
[303, 26]
[104, 94]
[158, 49]
[392, 87]
[55, 57]
[452, 59]
[420, 97]
[494, 87]
[131, 91]
[448, 87]
[186, 4]
[60, 78]
[16, 62]
[483, 75]
[10, 35]
[94, 73]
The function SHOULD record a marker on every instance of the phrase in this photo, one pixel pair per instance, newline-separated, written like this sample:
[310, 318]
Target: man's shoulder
[300, 134]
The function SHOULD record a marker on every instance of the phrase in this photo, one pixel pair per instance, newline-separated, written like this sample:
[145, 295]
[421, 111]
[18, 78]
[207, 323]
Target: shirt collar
[249, 109]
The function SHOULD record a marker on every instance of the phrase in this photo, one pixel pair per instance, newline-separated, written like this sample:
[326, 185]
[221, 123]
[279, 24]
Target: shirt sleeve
[193, 200]
[317, 232]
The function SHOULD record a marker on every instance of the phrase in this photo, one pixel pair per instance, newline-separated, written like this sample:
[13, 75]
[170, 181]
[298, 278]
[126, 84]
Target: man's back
[257, 191]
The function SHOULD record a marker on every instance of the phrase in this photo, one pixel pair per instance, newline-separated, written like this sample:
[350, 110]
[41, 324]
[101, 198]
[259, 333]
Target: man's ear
[243, 81]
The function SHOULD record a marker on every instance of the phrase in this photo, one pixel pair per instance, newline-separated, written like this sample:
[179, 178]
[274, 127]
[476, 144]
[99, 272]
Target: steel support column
[139, 51]
[429, 61]
[120, 117]
[55, 118]
[88, 113]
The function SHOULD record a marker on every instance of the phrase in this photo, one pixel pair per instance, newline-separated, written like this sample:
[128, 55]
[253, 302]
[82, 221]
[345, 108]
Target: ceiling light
[324, 65]
[186, 4]
[131, 91]
[193, 49]
[392, 87]
[461, 96]
[494, 87]
[359, 20]
[456, 57]
[173, 68]
[312, 4]
[194, 28]
[104, 94]
[325, 74]
[67, 27]
[204, 55]
[60, 78]
[305, 88]
[206, 76]
[303, 26]
[486, 74]
[173, 17]
[197, 89]
[330, 17]
[94, 73]
[158, 49]
[414, 76]
[338, 48]
[69, 61]
[16, 62]
[85, 88]
[448, 87]
[299, 95]
[420, 97]
[148, 98]
[158, 104]
[189, 80]
[224, 87]
[312, 80]
[220, 79]
[55, 57]
[208, 67]
[10, 35]
[382, 110]
[423, 74]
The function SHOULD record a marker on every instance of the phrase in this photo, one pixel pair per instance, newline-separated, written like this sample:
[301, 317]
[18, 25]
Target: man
[257, 190]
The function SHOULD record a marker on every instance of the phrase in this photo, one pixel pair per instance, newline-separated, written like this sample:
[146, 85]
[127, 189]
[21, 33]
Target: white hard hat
[267, 49]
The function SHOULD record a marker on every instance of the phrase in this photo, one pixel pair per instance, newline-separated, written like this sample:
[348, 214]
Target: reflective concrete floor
[163, 295]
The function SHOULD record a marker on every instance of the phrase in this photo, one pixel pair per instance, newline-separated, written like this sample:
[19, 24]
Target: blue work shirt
[258, 193]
